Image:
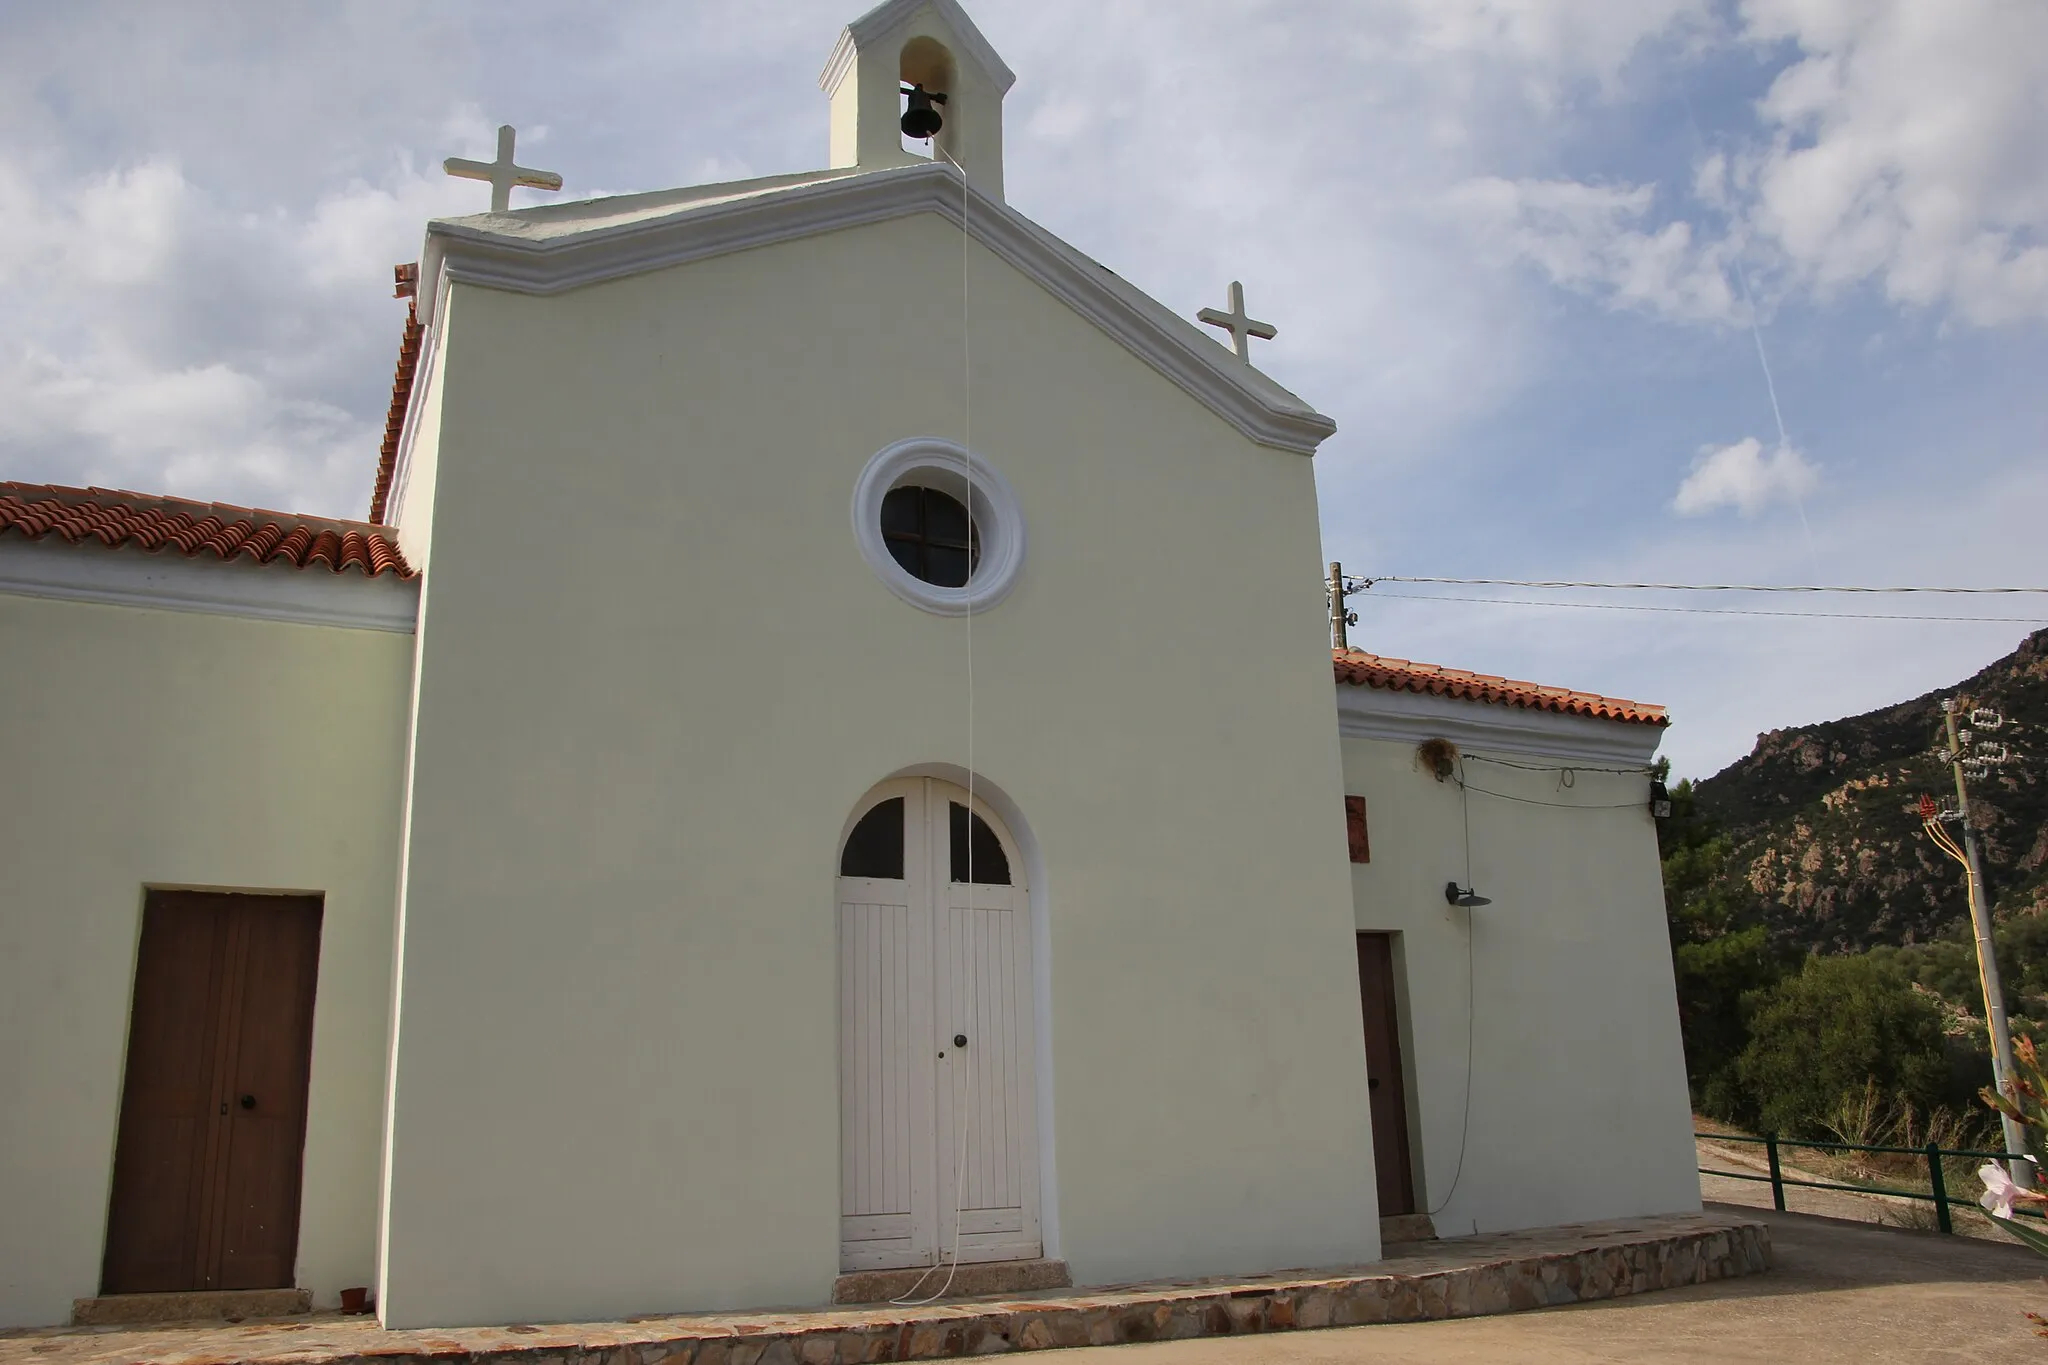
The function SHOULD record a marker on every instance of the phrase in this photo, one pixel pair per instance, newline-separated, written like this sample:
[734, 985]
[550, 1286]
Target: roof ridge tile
[151, 521]
[1362, 668]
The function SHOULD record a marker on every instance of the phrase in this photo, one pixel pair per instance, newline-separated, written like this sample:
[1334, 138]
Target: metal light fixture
[1464, 895]
[1660, 801]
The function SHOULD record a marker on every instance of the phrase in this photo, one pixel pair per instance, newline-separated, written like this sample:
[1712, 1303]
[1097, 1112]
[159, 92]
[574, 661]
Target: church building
[731, 827]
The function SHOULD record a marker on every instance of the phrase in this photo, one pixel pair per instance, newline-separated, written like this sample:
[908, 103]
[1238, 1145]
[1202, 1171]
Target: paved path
[1837, 1292]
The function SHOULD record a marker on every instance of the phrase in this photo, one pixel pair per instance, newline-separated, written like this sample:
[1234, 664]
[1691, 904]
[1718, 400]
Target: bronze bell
[920, 120]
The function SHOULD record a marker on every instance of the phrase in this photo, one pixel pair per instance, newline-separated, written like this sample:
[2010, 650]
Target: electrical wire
[1465, 789]
[1560, 805]
[1471, 1002]
[966, 1105]
[2000, 1068]
[1948, 846]
[1638, 769]
[1720, 611]
[1471, 1017]
[1365, 581]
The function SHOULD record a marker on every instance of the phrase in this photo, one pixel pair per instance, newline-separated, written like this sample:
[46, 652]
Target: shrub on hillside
[1828, 1034]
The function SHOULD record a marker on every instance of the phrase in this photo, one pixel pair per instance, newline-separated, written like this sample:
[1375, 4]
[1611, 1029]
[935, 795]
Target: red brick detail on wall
[1354, 826]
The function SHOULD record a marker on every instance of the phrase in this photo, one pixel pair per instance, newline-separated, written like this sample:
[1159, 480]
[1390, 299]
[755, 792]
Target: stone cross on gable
[502, 173]
[1236, 322]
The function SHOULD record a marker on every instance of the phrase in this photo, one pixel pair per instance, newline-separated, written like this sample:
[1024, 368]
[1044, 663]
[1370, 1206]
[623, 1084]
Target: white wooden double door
[938, 1108]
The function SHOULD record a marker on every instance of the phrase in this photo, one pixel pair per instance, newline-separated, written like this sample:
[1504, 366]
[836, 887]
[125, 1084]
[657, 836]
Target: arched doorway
[934, 949]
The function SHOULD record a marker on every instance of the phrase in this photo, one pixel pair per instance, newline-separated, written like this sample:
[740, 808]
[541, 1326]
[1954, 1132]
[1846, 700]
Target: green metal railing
[1933, 1154]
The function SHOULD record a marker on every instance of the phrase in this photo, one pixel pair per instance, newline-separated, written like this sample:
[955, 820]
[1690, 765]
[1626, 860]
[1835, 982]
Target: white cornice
[839, 63]
[1412, 717]
[167, 581]
[877, 23]
[524, 259]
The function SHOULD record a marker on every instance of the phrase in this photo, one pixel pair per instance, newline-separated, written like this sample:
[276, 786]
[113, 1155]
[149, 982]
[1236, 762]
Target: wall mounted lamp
[1660, 801]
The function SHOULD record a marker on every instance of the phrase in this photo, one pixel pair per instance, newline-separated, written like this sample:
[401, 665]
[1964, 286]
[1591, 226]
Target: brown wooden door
[213, 1108]
[1384, 1074]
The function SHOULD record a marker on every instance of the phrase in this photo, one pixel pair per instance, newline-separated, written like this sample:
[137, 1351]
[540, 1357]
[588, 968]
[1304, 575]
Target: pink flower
[1999, 1190]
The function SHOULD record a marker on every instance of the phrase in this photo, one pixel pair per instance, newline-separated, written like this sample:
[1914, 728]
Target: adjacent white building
[731, 818]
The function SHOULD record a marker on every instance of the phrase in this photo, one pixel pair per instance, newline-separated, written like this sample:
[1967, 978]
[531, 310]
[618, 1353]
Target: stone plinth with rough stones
[1460, 1277]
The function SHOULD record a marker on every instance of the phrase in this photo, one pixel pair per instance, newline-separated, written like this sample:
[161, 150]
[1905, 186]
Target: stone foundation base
[198, 1306]
[1416, 1282]
[969, 1281]
[1407, 1227]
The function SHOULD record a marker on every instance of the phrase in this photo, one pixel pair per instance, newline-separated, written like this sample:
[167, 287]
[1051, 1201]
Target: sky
[1749, 291]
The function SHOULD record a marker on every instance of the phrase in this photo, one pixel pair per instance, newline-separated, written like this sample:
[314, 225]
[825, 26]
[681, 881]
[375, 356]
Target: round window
[939, 527]
[931, 535]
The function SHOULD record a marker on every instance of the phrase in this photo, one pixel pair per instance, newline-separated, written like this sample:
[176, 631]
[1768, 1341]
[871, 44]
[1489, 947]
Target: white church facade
[733, 817]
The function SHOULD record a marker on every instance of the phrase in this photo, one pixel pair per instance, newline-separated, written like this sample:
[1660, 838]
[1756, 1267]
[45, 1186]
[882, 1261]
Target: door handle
[248, 1101]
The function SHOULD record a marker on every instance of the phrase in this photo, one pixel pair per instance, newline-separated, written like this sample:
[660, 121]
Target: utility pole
[1987, 958]
[1340, 619]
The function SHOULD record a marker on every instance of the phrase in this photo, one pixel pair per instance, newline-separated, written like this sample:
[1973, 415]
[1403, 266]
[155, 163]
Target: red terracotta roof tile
[394, 417]
[149, 522]
[1401, 675]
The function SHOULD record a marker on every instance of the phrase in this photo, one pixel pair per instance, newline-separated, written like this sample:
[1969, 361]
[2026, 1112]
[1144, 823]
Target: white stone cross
[502, 174]
[1241, 328]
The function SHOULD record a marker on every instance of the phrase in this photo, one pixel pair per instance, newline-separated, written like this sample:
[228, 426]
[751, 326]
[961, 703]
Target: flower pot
[356, 1300]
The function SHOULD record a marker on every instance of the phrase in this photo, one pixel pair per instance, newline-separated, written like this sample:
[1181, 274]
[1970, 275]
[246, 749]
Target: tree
[1839, 1026]
[1698, 904]
[1715, 978]
[1717, 965]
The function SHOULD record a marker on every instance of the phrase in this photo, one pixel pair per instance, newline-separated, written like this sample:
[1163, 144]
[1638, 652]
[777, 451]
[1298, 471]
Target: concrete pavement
[1837, 1291]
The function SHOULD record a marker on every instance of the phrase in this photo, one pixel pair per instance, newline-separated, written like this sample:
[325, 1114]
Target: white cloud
[1746, 477]
[1899, 147]
[1181, 174]
[211, 431]
[1587, 238]
[114, 228]
[1905, 149]
[123, 226]
[1569, 37]
[168, 339]
[352, 238]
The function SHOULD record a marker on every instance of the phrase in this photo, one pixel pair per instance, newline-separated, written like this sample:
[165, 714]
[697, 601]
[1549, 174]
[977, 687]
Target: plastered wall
[655, 677]
[1578, 1106]
[145, 748]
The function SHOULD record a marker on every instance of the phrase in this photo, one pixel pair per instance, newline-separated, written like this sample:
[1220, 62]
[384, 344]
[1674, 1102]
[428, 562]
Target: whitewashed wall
[656, 676]
[153, 748]
[1578, 1105]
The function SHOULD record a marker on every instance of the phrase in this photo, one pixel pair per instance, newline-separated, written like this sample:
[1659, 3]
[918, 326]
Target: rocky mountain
[1827, 848]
